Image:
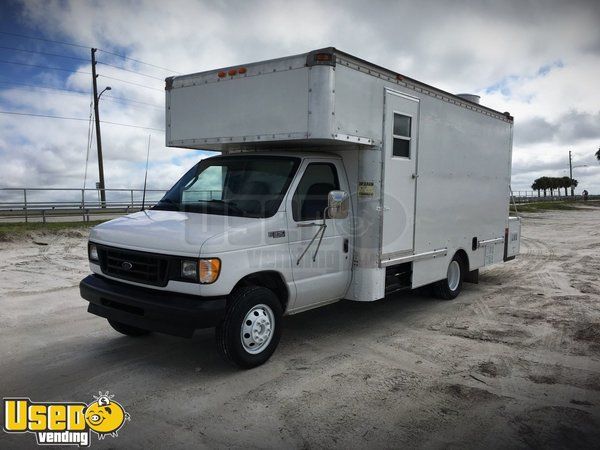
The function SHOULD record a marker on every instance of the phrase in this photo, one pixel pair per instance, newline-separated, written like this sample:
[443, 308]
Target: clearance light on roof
[323, 57]
[232, 72]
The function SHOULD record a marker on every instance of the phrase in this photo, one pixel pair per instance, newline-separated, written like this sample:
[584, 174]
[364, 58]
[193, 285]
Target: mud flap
[472, 277]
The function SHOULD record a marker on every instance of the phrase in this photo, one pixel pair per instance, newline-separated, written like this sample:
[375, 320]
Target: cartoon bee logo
[105, 416]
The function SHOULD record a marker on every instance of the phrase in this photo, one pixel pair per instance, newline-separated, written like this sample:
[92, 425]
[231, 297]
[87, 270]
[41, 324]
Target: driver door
[321, 271]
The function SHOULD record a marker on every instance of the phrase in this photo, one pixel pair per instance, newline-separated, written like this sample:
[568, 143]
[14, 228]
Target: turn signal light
[221, 74]
[209, 270]
[242, 70]
[232, 72]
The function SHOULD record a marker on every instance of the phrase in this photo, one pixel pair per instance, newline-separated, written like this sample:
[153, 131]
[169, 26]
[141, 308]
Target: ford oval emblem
[126, 265]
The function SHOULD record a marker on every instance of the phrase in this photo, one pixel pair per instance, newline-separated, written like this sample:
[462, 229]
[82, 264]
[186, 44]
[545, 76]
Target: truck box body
[429, 172]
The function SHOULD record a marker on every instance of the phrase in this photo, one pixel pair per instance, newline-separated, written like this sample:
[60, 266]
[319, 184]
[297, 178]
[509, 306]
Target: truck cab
[273, 231]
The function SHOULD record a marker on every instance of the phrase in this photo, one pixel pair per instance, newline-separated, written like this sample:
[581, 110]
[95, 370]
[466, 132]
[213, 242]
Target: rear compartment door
[401, 125]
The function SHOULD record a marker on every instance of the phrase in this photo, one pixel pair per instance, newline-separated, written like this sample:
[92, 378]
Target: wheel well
[464, 260]
[269, 279]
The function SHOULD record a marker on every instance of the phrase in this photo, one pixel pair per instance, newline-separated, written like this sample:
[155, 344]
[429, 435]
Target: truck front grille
[141, 267]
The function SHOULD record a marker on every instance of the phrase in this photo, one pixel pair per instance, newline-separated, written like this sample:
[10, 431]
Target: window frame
[312, 163]
[401, 137]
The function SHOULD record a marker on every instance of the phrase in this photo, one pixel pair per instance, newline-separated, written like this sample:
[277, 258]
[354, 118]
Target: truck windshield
[244, 186]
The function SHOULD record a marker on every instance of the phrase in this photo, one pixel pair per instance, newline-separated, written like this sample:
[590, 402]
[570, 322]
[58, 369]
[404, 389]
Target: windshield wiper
[231, 205]
[166, 203]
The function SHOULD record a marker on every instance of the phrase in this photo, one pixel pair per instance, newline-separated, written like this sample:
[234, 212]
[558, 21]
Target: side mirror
[338, 205]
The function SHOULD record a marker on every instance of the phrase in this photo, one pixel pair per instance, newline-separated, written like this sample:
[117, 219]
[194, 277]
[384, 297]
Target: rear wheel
[449, 288]
[252, 327]
[127, 330]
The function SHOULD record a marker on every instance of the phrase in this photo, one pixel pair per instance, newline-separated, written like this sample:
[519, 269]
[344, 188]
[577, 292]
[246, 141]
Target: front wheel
[449, 288]
[252, 327]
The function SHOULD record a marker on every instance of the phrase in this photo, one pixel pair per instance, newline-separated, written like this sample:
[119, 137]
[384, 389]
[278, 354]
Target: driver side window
[310, 199]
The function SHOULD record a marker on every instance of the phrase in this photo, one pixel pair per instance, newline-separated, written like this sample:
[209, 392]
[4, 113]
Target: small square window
[401, 147]
[402, 125]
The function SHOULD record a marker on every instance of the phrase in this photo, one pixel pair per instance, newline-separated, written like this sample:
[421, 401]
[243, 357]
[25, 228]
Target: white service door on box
[401, 125]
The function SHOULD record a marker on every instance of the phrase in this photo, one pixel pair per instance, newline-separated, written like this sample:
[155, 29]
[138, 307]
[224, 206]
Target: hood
[166, 232]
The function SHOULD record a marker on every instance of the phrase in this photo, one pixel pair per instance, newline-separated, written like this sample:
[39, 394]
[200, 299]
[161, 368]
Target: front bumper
[150, 309]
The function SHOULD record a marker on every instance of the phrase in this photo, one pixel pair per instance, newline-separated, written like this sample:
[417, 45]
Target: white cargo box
[317, 98]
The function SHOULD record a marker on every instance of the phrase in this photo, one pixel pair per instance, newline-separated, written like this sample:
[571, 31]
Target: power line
[43, 39]
[73, 91]
[128, 100]
[44, 67]
[81, 59]
[78, 119]
[79, 71]
[128, 82]
[125, 104]
[87, 47]
[138, 61]
[42, 87]
[43, 53]
[131, 71]
[90, 135]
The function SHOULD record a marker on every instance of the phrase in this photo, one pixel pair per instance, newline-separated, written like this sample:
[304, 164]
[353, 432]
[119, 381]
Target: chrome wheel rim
[257, 329]
[453, 275]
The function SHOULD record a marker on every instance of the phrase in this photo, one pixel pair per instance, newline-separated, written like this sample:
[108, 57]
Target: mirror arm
[320, 233]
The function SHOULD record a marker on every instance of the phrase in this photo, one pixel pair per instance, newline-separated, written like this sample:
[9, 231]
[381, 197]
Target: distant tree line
[553, 183]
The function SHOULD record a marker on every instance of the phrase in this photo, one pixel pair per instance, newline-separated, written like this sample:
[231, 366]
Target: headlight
[93, 252]
[189, 269]
[209, 270]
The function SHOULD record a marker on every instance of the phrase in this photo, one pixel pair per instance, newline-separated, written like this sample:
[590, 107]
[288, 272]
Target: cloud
[568, 128]
[537, 59]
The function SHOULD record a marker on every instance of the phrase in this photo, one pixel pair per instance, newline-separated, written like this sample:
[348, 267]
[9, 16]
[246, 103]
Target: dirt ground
[513, 362]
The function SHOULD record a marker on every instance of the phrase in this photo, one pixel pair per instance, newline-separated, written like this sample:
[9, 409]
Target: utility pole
[98, 138]
[571, 174]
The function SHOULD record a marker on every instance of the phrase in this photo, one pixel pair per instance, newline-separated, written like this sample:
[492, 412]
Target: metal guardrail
[35, 203]
[548, 198]
[25, 204]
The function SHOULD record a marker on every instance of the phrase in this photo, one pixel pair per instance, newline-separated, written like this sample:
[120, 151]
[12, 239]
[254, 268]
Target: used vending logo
[69, 423]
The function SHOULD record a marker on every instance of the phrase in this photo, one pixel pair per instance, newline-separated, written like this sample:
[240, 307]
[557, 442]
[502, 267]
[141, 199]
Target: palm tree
[565, 184]
[574, 183]
[544, 185]
[553, 183]
[536, 186]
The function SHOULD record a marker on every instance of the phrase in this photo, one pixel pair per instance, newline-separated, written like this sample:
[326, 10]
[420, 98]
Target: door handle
[346, 244]
[415, 175]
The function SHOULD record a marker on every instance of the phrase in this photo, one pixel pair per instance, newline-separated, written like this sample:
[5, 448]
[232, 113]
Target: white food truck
[336, 179]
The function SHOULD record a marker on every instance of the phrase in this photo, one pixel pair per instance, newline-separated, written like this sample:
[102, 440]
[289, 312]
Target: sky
[537, 59]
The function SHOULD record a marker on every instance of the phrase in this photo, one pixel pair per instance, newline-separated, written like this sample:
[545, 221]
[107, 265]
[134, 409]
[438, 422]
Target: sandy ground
[513, 362]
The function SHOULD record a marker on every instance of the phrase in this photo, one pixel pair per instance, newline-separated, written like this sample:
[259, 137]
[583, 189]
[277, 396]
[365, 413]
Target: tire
[128, 330]
[243, 338]
[450, 287]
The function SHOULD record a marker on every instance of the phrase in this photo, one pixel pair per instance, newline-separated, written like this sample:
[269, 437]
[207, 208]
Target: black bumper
[151, 309]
